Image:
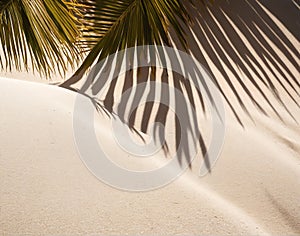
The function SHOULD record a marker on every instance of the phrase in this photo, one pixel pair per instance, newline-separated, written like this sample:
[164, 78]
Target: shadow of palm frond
[112, 87]
[241, 45]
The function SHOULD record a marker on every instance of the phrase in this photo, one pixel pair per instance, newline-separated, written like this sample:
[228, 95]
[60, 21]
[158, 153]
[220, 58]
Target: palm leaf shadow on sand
[214, 38]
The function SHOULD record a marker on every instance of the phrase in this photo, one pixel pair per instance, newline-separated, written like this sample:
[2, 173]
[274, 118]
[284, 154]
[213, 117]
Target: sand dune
[46, 189]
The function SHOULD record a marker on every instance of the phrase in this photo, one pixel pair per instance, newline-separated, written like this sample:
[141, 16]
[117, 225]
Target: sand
[254, 188]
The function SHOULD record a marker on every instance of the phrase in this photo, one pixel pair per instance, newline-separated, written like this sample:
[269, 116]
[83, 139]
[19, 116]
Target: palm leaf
[110, 26]
[39, 33]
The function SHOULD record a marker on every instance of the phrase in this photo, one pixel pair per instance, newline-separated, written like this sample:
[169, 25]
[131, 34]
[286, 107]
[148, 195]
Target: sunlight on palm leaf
[110, 26]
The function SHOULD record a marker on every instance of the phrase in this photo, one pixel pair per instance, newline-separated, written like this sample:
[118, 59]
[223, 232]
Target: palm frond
[40, 34]
[110, 26]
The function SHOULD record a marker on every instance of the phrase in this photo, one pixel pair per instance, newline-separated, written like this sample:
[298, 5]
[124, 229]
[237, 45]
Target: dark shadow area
[215, 27]
[214, 34]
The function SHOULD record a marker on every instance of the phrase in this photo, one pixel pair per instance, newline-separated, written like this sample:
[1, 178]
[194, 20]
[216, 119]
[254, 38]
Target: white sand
[46, 189]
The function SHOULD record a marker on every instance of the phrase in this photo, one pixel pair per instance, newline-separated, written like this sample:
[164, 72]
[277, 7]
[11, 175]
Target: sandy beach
[253, 189]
